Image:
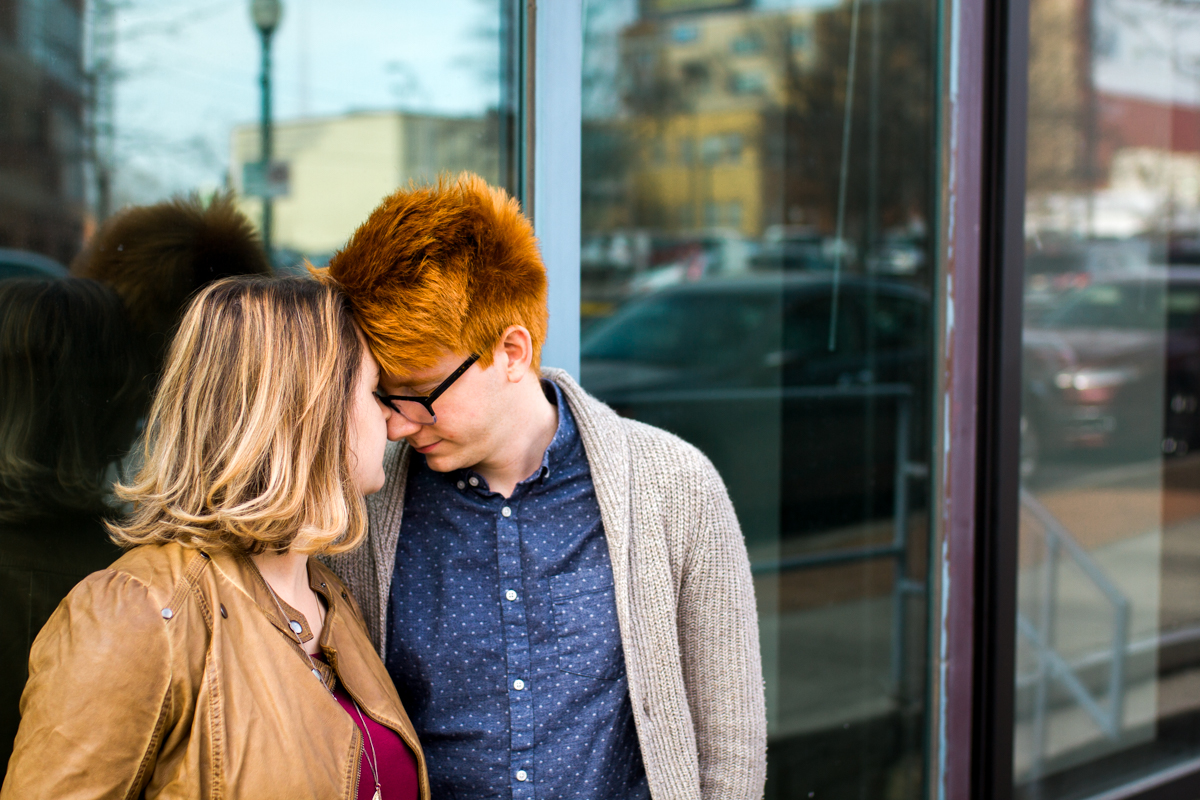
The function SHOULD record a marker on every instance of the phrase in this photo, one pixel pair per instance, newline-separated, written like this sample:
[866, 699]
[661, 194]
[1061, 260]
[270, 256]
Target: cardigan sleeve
[722, 665]
[96, 704]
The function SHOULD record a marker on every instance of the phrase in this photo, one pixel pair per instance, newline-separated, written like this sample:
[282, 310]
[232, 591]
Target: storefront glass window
[757, 275]
[108, 110]
[1108, 625]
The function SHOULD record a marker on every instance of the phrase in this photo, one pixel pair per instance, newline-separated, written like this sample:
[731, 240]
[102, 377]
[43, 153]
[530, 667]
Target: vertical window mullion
[557, 62]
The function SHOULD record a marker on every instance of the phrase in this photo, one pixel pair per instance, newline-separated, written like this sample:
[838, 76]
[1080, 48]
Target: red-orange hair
[443, 268]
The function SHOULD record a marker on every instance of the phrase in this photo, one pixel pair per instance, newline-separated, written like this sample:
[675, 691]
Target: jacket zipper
[357, 767]
[384, 723]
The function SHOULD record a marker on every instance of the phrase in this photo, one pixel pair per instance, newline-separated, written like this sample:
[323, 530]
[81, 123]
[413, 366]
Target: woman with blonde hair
[217, 657]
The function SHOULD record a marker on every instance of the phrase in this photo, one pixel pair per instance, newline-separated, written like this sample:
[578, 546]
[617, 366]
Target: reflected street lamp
[266, 15]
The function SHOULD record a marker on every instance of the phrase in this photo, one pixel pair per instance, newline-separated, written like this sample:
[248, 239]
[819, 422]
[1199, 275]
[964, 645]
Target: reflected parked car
[801, 425]
[898, 255]
[26, 264]
[1116, 364]
[802, 248]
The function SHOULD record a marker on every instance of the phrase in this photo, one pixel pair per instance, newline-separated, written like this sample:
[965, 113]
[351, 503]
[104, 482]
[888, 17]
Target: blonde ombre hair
[247, 441]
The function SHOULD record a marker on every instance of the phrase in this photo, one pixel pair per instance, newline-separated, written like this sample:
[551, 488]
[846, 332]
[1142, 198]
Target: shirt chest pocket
[585, 624]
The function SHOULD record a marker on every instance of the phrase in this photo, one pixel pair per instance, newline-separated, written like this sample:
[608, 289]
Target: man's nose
[399, 426]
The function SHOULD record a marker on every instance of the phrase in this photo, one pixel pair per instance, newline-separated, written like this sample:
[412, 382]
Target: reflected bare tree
[891, 145]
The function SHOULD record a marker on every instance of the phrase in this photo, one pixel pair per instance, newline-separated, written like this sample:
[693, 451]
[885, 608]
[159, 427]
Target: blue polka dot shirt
[503, 637]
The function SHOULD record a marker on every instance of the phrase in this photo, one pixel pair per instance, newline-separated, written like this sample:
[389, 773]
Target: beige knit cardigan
[685, 599]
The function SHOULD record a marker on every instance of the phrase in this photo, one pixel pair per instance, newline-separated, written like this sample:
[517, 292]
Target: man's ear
[515, 352]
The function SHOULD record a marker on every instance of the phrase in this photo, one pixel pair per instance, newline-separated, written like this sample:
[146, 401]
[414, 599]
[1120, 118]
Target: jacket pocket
[585, 624]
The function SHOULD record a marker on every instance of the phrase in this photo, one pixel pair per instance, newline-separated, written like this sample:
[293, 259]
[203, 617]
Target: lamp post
[266, 15]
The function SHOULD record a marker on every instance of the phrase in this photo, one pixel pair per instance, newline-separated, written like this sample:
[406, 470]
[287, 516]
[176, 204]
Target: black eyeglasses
[420, 409]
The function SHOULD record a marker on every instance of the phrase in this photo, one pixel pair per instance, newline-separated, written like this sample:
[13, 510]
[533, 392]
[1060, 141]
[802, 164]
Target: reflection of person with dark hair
[158, 256]
[70, 395]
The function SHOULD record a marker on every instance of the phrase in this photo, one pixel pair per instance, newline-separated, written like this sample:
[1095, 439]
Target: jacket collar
[241, 570]
[343, 655]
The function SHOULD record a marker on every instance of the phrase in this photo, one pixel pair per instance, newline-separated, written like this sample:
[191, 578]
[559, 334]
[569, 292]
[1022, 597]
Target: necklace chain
[373, 759]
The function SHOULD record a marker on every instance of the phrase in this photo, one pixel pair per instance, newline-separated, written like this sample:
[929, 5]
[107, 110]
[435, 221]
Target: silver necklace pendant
[376, 796]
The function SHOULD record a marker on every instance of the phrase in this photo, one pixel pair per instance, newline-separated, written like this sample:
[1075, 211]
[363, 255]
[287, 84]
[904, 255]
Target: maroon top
[396, 763]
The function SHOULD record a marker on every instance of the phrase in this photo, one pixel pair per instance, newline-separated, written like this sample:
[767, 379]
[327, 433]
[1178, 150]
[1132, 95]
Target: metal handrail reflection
[905, 471]
[1043, 635]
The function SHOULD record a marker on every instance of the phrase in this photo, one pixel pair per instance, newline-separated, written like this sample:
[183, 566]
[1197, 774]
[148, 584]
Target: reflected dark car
[24, 264]
[801, 425]
[898, 255]
[1116, 365]
[789, 247]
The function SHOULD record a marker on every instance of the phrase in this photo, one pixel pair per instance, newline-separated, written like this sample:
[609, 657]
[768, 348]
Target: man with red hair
[562, 596]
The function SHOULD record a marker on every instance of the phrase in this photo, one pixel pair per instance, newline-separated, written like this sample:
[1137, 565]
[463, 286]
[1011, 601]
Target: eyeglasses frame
[426, 401]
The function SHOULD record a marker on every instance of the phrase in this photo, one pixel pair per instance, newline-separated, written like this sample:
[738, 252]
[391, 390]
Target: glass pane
[110, 107]
[1107, 623]
[756, 278]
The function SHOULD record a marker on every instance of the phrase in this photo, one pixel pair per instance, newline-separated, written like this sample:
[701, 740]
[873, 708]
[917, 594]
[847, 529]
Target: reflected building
[1114, 125]
[731, 121]
[699, 89]
[340, 167]
[43, 96]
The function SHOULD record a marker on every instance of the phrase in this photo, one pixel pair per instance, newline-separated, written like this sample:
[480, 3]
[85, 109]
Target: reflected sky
[1145, 48]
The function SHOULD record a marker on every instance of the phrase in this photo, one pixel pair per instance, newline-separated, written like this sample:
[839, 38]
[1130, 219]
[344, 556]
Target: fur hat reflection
[156, 257]
[443, 268]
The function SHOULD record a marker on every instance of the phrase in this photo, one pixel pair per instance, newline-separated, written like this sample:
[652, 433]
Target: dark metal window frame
[1002, 167]
[995, 191]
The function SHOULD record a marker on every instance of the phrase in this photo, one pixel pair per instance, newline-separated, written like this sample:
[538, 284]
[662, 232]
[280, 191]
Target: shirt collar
[564, 435]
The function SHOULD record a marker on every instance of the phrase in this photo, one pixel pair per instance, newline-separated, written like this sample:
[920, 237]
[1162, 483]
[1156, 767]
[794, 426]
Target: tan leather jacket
[169, 675]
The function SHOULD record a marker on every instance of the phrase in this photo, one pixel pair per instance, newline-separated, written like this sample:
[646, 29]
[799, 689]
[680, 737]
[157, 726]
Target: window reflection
[1106, 623]
[72, 391]
[755, 279]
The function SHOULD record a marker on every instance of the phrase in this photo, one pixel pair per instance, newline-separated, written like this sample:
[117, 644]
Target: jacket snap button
[224, 613]
[168, 613]
[344, 596]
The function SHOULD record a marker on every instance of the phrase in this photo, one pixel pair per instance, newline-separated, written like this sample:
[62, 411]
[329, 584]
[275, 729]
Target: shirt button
[461, 485]
[522, 775]
[510, 595]
[518, 684]
[506, 511]
[473, 480]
